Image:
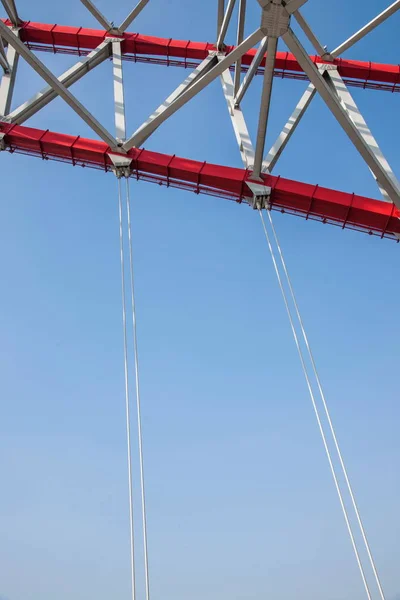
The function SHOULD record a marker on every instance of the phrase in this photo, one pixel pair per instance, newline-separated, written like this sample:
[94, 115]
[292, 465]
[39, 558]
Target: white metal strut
[57, 86]
[8, 80]
[71, 76]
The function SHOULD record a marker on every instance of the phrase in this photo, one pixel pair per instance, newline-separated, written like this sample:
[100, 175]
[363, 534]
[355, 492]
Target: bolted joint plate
[122, 165]
[261, 195]
[275, 18]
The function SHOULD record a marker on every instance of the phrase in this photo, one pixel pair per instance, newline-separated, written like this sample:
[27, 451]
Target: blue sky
[240, 500]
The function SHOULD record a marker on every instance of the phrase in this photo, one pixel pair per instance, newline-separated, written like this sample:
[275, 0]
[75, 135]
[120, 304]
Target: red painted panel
[310, 201]
[78, 38]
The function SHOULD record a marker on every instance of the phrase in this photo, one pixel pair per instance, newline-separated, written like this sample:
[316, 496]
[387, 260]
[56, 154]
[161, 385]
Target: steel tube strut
[97, 14]
[72, 75]
[76, 39]
[388, 12]
[220, 16]
[294, 120]
[225, 22]
[248, 78]
[170, 107]
[238, 122]
[3, 57]
[11, 10]
[7, 82]
[335, 106]
[310, 201]
[132, 15]
[289, 129]
[338, 86]
[170, 104]
[239, 40]
[265, 104]
[119, 101]
[57, 86]
[309, 33]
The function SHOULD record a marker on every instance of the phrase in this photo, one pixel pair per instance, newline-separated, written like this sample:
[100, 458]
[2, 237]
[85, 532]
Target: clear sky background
[240, 500]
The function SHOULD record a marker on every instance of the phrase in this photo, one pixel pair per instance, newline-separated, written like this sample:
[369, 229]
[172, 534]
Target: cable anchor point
[261, 195]
[122, 165]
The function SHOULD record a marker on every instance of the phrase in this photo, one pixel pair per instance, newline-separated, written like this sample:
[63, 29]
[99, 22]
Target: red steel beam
[42, 36]
[310, 201]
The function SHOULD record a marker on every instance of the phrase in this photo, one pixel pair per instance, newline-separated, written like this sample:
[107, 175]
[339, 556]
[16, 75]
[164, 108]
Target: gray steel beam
[132, 15]
[189, 91]
[47, 94]
[8, 81]
[248, 78]
[58, 87]
[283, 139]
[309, 33]
[105, 23]
[152, 123]
[119, 101]
[11, 10]
[220, 16]
[335, 106]
[340, 88]
[366, 29]
[3, 58]
[289, 129]
[239, 40]
[238, 122]
[225, 23]
[265, 104]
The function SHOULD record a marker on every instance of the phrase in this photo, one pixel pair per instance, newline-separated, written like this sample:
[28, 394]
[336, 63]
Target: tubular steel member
[3, 58]
[275, 18]
[11, 10]
[254, 66]
[239, 40]
[8, 80]
[356, 134]
[71, 76]
[225, 23]
[56, 85]
[208, 72]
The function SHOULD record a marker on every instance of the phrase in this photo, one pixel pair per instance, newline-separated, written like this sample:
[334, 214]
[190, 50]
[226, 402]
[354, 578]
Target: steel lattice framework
[329, 75]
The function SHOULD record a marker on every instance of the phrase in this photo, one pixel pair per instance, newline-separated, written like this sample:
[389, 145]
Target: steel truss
[328, 74]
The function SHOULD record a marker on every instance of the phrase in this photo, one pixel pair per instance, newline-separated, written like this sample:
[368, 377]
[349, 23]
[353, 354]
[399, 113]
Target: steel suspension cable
[127, 402]
[326, 410]
[316, 411]
[138, 404]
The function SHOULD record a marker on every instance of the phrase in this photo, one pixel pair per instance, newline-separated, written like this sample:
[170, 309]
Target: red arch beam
[78, 40]
[309, 201]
